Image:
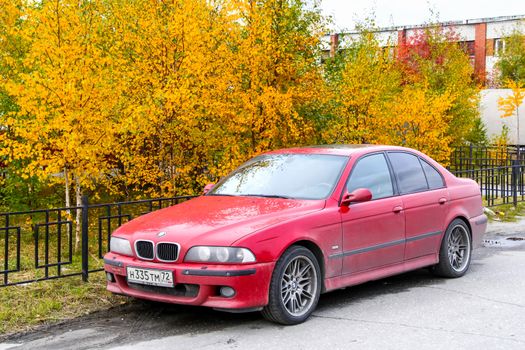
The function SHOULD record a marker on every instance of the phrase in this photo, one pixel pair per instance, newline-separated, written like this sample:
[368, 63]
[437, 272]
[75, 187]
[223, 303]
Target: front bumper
[195, 284]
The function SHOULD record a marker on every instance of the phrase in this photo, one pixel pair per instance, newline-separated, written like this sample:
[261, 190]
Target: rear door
[425, 203]
[373, 232]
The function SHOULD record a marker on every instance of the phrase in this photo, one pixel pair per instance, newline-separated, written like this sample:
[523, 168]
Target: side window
[408, 171]
[372, 172]
[433, 177]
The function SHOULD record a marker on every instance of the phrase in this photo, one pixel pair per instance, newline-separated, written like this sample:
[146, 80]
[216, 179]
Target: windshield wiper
[222, 194]
[267, 196]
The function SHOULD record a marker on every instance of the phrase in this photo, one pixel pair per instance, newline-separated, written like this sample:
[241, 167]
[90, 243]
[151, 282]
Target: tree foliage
[422, 94]
[511, 63]
[433, 57]
[367, 82]
[143, 98]
[148, 98]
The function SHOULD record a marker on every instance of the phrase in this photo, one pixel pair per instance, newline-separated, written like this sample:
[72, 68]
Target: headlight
[220, 255]
[120, 246]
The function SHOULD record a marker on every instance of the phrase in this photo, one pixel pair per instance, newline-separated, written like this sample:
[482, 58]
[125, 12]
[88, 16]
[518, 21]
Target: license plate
[161, 278]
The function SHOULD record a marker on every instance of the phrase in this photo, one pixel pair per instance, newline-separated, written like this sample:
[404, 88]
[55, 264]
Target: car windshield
[300, 176]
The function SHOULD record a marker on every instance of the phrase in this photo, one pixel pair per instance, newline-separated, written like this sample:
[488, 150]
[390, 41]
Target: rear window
[433, 177]
[408, 171]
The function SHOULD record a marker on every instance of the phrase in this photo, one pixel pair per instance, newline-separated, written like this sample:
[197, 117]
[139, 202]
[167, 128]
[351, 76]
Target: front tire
[295, 287]
[455, 252]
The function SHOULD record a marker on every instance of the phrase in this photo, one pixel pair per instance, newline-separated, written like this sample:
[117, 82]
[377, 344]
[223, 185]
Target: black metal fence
[499, 171]
[483, 157]
[61, 242]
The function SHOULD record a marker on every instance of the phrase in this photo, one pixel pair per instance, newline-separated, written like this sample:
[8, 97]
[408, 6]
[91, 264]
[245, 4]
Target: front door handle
[397, 209]
[442, 200]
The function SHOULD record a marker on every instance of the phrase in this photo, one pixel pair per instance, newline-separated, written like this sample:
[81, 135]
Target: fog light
[227, 292]
[110, 277]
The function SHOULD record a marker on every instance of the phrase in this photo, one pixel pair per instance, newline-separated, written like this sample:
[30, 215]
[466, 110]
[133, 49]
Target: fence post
[85, 241]
[470, 158]
[514, 181]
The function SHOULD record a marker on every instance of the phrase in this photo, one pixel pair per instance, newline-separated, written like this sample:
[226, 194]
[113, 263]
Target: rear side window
[409, 173]
[433, 177]
[371, 172]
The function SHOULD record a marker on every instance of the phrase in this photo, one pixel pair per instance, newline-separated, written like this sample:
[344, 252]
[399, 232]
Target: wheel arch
[465, 220]
[317, 252]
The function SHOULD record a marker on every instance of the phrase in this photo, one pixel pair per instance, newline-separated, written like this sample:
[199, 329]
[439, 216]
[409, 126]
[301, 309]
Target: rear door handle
[442, 200]
[397, 209]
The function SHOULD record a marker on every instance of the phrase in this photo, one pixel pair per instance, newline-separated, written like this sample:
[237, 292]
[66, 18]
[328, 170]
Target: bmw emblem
[161, 234]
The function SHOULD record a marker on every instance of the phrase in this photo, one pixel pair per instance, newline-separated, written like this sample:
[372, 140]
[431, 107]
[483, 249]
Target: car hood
[215, 220]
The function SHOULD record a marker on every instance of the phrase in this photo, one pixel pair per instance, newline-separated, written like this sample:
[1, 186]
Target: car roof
[338, 149]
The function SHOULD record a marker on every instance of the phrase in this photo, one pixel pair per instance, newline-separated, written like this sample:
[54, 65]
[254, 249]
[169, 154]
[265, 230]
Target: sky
[346, 13]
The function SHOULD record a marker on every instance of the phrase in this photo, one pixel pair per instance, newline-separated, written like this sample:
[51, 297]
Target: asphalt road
[485, 309]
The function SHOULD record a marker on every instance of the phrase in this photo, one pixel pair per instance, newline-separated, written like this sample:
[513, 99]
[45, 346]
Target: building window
[469, 47]
[499, 46]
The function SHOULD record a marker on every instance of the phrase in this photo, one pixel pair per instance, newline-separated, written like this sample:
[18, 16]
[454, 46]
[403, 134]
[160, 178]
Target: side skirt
[381, 272]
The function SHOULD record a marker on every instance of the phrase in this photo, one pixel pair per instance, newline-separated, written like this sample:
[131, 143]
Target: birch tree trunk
[68, 198]
[78, 197]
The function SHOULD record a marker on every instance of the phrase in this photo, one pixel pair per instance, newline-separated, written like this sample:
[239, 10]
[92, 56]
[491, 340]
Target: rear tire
[295, 287]
[455, 252]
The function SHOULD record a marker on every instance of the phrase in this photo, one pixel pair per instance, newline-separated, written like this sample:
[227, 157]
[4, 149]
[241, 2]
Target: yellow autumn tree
[210, 84]
[66, 93]
[12, 51]
[419, 95]
[417, 118]
[141, 98]
[278, 82]
[175, 62]
[432, 57]
[366, 84]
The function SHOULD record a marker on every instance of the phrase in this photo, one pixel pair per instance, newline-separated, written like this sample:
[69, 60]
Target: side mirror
[358, 195]
[207, 188]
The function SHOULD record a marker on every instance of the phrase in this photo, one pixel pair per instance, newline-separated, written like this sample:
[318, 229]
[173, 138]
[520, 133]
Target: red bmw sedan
[292, 224]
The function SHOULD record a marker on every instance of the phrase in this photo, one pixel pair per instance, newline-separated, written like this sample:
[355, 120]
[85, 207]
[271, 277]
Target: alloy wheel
[299, 285]
[459, 248]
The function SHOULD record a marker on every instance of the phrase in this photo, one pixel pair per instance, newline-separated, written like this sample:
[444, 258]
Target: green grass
[23, 307]
[27, 306]
[507, 212]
